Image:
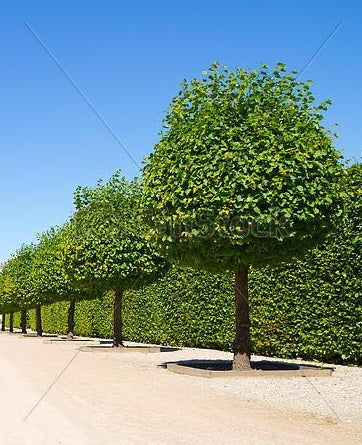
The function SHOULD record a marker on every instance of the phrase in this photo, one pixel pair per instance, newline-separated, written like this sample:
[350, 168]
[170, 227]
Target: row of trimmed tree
[244, 175]
[102, 248]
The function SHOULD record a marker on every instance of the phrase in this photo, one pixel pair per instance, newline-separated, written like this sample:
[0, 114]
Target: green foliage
[311, 308]
[105, 246]
[15, 287]
[47, 277]
[244, 172]
[293, 312]
[35, 275]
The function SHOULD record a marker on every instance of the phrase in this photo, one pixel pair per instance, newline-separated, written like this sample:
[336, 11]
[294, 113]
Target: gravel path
[54, 394]
[337, 399]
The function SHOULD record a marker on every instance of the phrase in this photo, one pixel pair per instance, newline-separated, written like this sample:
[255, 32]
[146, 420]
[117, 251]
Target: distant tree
[15, 288]
[35, 277]
[47, 277]
[106, 248]
[244, 175]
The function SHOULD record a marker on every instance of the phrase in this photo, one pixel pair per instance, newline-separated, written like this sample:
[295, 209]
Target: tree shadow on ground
[108, 345]
[226, 365]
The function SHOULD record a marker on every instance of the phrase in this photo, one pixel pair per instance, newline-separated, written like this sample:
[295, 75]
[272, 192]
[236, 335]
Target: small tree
[15, 288]
[47, 278]
[106, 248]
[244, 175]
[35, 277]
[3, 299]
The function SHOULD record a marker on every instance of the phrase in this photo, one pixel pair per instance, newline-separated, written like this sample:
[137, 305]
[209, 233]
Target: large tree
[106, 248]
[244, 175]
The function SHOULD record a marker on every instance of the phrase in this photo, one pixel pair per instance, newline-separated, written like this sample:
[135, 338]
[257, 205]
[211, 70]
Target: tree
[47, 276]
[3, 299]
[8, 300]
[244, 175]
[35, 277]
[106, 248]
[15, 288]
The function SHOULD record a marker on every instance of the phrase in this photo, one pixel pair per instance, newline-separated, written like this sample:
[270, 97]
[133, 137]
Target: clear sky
[128, 57]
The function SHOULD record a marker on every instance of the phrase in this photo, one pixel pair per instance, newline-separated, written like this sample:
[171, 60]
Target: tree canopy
[106, 246]
[244, 172]
[47, 277]
[15, 288]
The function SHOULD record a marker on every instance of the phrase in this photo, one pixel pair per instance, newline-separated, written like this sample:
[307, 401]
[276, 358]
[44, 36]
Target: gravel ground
[67, 396]
[337, 399]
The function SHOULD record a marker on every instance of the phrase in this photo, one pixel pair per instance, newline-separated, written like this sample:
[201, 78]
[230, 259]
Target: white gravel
[55, 394]
[337, 398]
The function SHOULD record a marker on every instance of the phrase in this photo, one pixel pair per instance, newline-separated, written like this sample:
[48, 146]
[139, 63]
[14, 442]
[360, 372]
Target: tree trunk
[242, 335]
[11, 322]
[117, 318]
[23, 321]
[39, 328]
[3, 322]
[71, 324]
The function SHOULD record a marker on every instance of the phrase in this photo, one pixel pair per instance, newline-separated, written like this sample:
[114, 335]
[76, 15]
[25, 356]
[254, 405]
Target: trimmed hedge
[296, 311]
[310, 309]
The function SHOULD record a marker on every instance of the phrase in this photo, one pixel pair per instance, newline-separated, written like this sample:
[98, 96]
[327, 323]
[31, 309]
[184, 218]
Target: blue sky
[129, 58]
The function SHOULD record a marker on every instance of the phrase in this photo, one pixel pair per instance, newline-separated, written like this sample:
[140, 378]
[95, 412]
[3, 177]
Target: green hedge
[296, 311]
[310, 309]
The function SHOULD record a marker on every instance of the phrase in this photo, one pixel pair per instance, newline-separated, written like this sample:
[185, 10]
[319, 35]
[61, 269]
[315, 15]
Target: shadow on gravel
[109, 343]
[108, 346]
[226, 365]
[34, 335]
